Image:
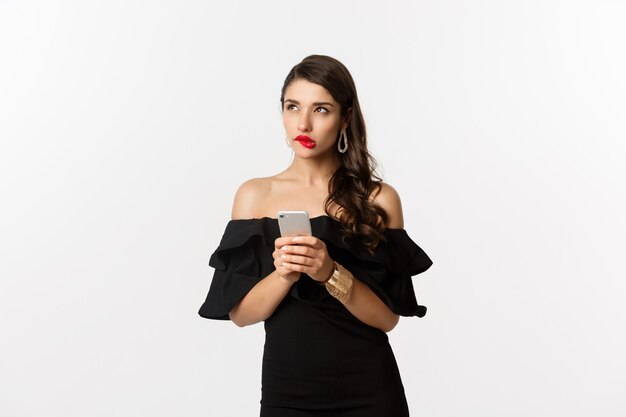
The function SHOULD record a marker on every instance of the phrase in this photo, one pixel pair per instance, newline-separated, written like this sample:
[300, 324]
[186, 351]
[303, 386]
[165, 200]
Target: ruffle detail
[387, 271]
[239, 233]
[244, 257]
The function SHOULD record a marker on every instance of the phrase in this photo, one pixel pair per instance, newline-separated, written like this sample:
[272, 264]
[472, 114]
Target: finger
[311, 241]
[291, 267]
[296, 259]
[298, 250]
[280, 266]
[281, 241]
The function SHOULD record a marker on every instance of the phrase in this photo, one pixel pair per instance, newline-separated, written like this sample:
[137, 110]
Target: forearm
[308, 255]
[366, 306]
[261, 300]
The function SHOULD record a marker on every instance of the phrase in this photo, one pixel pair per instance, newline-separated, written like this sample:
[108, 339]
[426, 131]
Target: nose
[304, 123]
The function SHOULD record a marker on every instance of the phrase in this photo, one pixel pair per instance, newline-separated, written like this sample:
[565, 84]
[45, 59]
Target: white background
[126, 127]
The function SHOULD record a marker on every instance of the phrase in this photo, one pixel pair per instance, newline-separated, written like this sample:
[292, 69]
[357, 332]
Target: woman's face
[311, 117]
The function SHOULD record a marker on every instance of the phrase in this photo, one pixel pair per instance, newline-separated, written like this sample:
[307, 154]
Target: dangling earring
[343, 136]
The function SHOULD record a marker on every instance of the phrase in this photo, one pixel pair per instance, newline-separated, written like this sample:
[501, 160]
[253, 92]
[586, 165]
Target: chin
[312, 153]
[307, 155]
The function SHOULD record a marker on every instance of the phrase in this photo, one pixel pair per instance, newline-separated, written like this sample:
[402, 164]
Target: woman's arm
[261, 301]
[308, 254]
[364, 304]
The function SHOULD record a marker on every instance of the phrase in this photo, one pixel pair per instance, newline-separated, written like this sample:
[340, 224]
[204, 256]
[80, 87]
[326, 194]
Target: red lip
[305, 141]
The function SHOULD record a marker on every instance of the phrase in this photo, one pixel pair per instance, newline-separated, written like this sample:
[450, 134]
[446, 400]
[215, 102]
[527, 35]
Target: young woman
[327, 300]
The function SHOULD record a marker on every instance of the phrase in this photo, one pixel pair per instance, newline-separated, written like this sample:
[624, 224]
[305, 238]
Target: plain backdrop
[127, 126]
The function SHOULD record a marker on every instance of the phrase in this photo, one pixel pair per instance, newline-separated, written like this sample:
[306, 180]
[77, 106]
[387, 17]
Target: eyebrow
[317, 103]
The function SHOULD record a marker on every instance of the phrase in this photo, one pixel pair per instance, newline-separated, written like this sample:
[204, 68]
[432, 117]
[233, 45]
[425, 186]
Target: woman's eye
[289, 106]
[322, 108]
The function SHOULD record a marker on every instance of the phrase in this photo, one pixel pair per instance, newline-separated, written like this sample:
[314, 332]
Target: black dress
[318, 359]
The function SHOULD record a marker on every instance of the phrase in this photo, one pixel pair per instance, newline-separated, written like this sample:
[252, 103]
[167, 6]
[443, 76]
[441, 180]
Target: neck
[313, 172]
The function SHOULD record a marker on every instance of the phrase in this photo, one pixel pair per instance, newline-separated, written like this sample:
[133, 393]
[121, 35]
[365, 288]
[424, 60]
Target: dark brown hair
[355, 179]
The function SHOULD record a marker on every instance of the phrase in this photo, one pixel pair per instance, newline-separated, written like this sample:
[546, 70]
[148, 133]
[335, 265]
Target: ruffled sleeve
[389, 270]
[242, 259]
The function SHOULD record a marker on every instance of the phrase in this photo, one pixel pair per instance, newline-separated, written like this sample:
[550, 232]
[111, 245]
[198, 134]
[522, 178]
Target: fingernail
[296, 239]
[283, 256]
[284, 248]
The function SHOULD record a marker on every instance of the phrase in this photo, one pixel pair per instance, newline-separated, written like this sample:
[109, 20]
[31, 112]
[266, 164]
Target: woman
[327, 300]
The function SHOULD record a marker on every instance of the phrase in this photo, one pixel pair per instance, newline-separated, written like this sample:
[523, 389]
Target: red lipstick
[305, 141]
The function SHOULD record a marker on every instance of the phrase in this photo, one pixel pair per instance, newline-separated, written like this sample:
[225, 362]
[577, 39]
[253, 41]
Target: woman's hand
[306, 254]
[283, 272]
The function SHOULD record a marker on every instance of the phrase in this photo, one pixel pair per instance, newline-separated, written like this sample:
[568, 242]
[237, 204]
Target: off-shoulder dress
[319, 359]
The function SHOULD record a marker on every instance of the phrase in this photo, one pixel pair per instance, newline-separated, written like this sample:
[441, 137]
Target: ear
[346, 121]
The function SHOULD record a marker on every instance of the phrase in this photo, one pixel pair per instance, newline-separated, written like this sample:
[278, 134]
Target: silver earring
[343, 136]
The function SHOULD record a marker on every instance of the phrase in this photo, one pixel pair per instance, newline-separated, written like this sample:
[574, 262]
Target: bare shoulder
[248, 198]
[389, 200]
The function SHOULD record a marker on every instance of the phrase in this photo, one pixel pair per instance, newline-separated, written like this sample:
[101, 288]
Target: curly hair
[354, 181]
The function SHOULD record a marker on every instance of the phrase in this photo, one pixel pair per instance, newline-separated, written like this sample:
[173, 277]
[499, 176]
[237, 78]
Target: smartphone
[294, 223]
